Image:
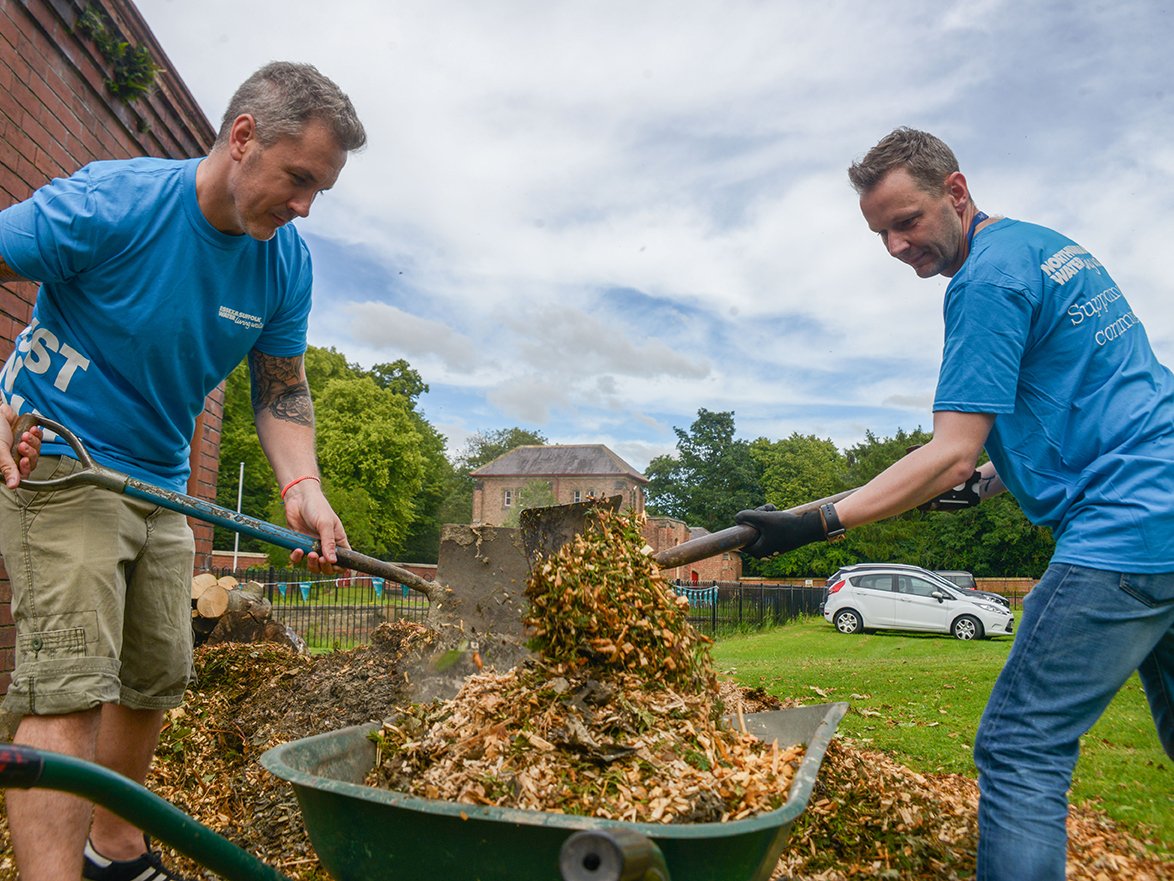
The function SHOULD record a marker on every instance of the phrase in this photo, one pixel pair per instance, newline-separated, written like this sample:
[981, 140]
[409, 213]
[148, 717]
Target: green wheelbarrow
[361, 833]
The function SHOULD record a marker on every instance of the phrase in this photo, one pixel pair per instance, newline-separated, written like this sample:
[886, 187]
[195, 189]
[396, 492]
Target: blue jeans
[1083, 632]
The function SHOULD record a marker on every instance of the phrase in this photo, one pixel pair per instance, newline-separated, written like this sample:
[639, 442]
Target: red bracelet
[295, 482]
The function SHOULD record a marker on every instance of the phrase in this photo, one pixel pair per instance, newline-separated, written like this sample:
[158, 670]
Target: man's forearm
[289, 447]
[284, 415]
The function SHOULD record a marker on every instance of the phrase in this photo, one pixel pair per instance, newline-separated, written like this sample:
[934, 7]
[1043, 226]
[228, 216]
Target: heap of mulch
[616, 715]
[868, 818]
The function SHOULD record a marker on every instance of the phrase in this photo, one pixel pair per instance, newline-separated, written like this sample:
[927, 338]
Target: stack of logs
[224, 610]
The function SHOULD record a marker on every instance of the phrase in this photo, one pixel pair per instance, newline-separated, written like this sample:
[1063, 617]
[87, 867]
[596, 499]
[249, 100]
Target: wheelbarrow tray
[362, 832]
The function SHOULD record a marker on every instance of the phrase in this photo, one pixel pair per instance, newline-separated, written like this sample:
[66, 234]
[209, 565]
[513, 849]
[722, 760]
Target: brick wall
[663, 533]
[56, 115]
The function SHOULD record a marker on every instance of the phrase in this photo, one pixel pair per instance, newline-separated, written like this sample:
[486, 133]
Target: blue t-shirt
[1038, 333]
[144, 309]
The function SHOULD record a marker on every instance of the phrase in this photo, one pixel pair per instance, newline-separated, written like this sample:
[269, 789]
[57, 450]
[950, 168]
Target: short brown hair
[283, 96]
[927, 159]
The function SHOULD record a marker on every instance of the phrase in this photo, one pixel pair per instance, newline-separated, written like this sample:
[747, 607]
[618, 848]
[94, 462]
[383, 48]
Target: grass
[919, 698]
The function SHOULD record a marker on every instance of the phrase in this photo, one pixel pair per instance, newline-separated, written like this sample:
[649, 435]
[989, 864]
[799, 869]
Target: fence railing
[330, 613]
[732, 605]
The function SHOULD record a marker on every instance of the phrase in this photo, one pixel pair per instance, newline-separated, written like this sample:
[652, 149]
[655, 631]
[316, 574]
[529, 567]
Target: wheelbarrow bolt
[611, 855]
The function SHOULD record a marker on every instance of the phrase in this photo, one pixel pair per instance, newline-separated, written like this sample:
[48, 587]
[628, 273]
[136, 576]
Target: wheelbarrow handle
[729, 539]
[25, 768]
[93, 474]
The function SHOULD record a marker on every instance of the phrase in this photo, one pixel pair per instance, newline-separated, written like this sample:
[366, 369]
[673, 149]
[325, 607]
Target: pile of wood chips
[618, 716]
[868, 817]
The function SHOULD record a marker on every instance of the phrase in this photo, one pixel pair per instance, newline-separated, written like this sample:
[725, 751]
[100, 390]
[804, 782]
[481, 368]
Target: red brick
[56, 114]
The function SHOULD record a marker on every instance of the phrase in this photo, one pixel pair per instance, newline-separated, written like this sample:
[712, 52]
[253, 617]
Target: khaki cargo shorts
[101, 596]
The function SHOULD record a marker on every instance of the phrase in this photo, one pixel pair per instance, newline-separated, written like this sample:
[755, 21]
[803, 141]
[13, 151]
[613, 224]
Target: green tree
[480, 449]
[368, 443]
[387, 486]
[711, 477]
[238, 443]
[795, 471]
[399, 377]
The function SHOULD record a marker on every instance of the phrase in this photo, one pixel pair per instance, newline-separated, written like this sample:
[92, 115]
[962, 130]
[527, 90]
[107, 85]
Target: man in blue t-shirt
[157, 278]
[1047, 368]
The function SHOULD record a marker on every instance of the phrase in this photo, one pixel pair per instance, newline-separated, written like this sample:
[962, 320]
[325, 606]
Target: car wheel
[967, 627]
[849, 621]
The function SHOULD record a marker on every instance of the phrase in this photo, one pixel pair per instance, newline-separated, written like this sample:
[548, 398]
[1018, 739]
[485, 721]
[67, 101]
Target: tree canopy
[383, 465]
[711, 477]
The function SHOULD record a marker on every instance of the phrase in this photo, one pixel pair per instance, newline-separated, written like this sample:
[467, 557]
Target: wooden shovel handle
[728, 539]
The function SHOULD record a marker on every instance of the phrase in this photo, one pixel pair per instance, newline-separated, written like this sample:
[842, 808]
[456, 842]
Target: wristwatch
[832, 527]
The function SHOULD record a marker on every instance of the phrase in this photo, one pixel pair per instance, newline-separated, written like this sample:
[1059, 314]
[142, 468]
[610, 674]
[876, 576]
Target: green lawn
[919, 697]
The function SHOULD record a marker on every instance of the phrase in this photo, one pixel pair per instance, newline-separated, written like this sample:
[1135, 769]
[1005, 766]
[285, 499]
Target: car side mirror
[939, 596]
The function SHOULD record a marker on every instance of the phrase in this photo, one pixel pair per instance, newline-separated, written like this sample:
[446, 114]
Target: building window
[507, 498]
[577, 496]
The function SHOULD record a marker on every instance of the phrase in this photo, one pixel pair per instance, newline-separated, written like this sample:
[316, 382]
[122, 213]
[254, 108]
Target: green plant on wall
[132, 70]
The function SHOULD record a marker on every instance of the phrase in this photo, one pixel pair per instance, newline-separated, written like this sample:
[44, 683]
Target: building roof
[559, 460]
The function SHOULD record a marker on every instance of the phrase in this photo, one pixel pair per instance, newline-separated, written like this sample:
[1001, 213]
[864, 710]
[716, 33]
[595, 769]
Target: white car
[880, 597]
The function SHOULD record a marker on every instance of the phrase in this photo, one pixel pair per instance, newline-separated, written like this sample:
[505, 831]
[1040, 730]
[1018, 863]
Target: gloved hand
[779, 531]
[964, 495]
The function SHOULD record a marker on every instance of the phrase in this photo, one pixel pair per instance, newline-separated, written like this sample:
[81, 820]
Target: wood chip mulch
[616, 716]
[868, 817]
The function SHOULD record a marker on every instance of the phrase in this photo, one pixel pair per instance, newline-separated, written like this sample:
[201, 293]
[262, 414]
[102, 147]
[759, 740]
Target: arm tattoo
[279, 387]
[984, 486]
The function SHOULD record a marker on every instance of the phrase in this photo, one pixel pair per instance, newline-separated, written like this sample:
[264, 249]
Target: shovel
[490, 564]
[729, 539]
[93, 474]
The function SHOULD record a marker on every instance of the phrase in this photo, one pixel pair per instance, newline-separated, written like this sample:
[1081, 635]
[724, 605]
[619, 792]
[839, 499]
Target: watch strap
[832, 528]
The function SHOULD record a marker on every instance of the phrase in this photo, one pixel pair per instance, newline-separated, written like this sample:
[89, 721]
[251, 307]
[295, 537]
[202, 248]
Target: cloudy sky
[591, 219]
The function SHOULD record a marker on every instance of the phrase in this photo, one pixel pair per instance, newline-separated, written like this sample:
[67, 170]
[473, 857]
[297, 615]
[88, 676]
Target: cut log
[213, 602]
[227, 582]
[216, 601]
[201, 583]
[254, 589]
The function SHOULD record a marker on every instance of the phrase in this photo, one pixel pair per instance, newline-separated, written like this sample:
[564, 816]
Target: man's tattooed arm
[279, 388]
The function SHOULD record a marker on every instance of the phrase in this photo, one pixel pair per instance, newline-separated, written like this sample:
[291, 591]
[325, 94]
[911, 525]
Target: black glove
[964, 495]
[778, 531]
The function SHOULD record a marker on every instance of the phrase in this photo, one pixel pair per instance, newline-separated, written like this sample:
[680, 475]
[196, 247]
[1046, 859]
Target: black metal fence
[333, 613]
[731, 605]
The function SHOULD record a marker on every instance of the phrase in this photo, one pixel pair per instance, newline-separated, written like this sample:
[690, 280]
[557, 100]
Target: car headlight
[990, 607]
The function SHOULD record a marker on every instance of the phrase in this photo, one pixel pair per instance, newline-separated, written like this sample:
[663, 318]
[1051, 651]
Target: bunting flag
[378, 584]
[281, 587]
[305, 591]
[406, 590]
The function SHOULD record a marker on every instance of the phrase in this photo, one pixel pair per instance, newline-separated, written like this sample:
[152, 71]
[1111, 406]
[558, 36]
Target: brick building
[668, 532]
[58, 112]
[575, 473]
[571, 473]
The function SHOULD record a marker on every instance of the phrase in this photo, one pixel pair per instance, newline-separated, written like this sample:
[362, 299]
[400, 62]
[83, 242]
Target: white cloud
[595, 218]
